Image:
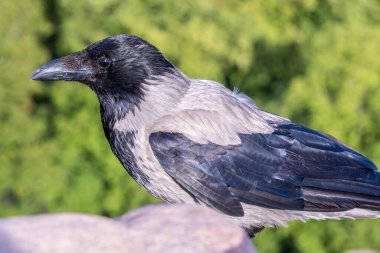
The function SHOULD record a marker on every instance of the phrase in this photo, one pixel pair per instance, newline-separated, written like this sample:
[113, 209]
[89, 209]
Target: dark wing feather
[294, 168]
[188, 170]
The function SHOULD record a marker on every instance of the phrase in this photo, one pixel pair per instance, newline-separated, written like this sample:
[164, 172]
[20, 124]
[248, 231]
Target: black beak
[68, 68]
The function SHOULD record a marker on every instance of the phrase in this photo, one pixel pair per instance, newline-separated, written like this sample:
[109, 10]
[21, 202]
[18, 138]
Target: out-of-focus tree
[21, 144]
[315, 62]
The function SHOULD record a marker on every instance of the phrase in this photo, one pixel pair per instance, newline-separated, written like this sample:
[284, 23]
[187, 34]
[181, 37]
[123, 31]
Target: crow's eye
[104, 62]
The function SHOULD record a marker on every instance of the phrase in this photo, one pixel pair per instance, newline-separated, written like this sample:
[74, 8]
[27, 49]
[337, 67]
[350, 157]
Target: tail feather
[369, 186]
[334, 194]
[328, 200]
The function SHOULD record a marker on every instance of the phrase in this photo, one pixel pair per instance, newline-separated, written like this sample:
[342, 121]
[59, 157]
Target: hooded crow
[194, 141]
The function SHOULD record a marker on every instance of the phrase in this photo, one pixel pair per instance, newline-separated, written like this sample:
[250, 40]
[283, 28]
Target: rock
[161, 228]
[62, 233]
[185, 228]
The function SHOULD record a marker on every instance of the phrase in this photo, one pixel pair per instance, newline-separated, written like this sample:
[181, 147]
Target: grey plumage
[194, 141]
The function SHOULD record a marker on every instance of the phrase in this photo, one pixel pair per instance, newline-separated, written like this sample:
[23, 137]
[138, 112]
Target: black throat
[121, 143]
[114, 108]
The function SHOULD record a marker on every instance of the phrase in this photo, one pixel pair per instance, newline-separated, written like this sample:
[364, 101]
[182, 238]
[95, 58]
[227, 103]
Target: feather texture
[189, 140]
[293, 168]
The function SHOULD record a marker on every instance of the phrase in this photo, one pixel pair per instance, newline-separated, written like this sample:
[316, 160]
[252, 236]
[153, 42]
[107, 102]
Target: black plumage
[293, 168]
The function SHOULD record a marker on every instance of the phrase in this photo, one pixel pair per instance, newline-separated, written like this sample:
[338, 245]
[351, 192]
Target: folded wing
[293, 168]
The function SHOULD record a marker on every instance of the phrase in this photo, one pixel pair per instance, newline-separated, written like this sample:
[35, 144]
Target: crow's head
[115, 66]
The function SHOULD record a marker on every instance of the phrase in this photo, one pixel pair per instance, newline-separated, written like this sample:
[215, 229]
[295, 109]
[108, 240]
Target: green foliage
[316, 62]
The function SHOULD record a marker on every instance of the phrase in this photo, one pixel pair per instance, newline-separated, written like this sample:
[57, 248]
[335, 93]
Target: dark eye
[104, 62]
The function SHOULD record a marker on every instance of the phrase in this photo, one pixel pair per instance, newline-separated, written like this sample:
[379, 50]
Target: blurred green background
[315, 62]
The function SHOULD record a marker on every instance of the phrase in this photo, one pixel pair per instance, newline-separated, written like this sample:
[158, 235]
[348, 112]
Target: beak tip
[34, 76]
[39, 73]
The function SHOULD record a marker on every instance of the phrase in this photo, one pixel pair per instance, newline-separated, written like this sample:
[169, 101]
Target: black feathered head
[115, 66]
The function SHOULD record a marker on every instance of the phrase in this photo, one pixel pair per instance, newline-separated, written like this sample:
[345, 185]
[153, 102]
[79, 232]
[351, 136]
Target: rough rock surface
[161, 228]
